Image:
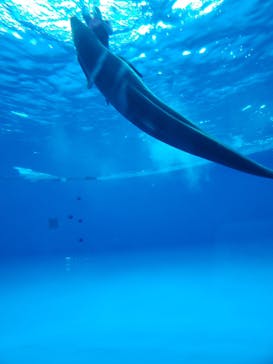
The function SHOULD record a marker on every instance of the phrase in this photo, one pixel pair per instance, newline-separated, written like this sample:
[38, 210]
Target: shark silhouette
[123, 87]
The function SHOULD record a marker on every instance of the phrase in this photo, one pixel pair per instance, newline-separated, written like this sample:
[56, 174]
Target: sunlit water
[210, 60]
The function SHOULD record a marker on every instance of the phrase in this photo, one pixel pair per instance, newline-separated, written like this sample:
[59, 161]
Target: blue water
[165, 258]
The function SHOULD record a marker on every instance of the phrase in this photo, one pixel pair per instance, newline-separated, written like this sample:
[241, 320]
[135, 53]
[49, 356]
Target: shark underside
[123, 87]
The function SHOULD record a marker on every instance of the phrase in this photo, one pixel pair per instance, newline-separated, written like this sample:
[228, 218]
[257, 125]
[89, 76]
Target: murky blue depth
[165, 258]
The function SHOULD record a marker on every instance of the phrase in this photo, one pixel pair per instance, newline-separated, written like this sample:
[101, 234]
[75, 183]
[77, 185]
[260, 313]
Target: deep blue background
[160, 212]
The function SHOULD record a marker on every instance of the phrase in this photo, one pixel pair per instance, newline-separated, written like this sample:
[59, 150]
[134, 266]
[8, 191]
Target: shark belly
[124, 89]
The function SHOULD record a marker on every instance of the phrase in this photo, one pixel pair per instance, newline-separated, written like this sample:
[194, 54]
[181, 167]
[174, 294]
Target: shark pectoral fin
[154, 107]
[178, 132]
[86, 73]
[131, 66]
[168, 109]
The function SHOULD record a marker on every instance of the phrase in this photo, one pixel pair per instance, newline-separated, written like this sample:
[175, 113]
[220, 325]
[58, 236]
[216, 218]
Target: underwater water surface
[165, 257]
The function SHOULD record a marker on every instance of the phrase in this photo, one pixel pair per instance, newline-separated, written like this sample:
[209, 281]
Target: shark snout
[76, 24]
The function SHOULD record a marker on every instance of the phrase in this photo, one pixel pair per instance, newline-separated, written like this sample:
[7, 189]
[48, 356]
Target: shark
[123, 88]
